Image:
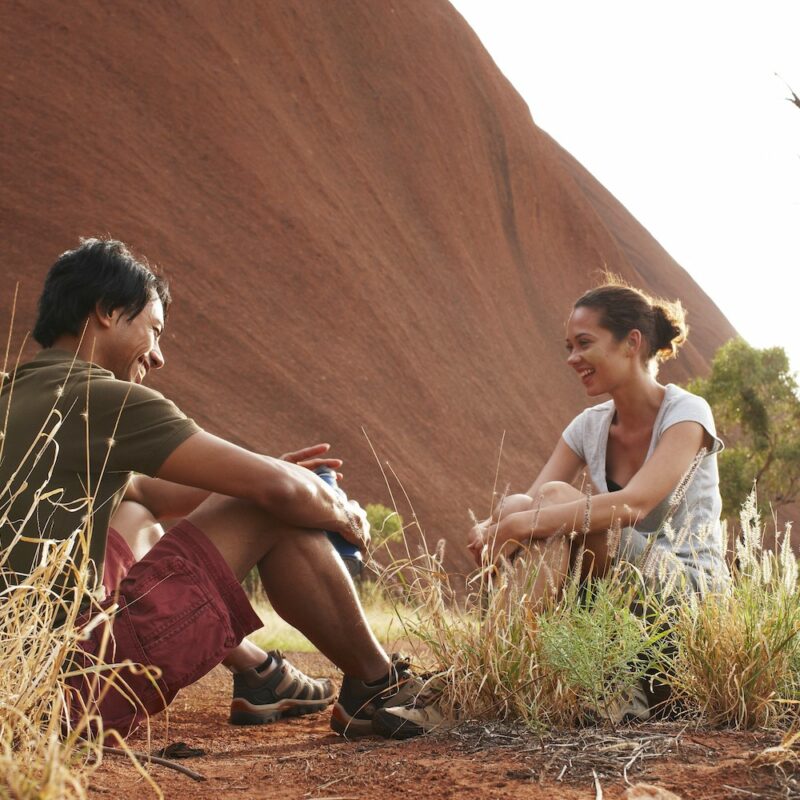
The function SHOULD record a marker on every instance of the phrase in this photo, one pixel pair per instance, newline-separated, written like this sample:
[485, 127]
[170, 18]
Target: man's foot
[276, 689]
[420, 715]
[361, 703]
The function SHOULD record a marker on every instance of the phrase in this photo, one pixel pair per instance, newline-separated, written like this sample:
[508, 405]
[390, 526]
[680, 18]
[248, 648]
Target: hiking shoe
[276, 689]
[421, 714]
[360, 702]
[632, 706]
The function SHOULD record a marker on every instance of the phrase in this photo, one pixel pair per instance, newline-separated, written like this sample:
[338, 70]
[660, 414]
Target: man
[89, 449]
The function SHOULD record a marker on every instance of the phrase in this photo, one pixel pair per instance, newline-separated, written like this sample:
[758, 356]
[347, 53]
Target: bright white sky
[676, 109]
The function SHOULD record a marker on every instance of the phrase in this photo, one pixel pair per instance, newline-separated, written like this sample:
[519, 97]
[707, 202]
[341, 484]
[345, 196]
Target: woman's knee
[555, 492]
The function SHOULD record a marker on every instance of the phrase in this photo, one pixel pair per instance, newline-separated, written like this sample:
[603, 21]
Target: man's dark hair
[99, 272]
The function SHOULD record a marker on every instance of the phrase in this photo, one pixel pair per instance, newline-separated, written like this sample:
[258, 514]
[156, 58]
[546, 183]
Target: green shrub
[385, 525]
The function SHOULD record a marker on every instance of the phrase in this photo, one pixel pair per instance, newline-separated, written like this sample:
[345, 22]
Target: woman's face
[600, 361]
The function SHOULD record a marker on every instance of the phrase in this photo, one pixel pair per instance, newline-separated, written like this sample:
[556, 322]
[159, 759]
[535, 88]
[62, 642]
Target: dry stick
[116, 751]
[497, 473]
[391, 493]
[4, 373]
[598, 794]
[394, 505]
[380, 467]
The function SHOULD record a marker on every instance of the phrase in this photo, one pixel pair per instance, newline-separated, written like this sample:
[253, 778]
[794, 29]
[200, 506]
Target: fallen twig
[146, 757]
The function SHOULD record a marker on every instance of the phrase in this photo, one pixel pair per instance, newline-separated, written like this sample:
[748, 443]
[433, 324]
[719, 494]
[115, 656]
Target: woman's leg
[554, 557]
[590, 548]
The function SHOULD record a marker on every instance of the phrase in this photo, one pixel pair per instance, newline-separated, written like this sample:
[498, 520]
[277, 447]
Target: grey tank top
[693, 533]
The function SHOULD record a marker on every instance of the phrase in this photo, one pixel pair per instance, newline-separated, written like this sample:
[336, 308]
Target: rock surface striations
[364, 228]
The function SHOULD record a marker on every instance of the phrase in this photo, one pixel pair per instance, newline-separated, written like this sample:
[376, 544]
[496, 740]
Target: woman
[637, 448]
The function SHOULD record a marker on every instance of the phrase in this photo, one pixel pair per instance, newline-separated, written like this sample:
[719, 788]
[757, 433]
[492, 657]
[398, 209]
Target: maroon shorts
[180, 609]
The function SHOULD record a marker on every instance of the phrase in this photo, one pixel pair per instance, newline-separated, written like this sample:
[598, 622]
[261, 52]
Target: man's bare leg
[303, 577]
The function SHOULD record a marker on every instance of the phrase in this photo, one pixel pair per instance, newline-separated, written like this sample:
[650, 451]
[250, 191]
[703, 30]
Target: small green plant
[594, 647]
[385, 525]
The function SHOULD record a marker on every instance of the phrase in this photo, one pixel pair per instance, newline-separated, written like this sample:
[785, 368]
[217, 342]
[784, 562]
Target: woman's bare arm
[658, 476]
[563, 465]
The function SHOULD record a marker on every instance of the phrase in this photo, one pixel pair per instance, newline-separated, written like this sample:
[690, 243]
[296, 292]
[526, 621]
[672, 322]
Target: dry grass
[731, 658]
[50, 742]
[737, 655]
[559, 664]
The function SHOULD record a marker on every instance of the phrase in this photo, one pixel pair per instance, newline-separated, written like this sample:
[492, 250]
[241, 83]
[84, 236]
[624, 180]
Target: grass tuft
[737, 657]
[729, 658]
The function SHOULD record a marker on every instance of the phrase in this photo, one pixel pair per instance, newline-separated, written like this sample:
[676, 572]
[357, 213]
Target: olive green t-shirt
[73, 437]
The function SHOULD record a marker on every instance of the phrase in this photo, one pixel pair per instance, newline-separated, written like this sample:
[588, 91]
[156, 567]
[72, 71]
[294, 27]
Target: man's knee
[137, 526]
[311, 541]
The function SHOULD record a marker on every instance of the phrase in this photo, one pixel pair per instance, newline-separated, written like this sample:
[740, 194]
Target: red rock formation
[364, 228]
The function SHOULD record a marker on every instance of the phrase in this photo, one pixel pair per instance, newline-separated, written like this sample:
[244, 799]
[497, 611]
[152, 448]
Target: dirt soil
[302, 758]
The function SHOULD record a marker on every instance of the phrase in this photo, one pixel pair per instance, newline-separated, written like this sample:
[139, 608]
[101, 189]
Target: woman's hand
[476, 540]
[503, 538]
[485, 532]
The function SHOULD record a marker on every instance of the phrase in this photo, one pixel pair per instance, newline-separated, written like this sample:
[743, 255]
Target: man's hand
[357, 529]
[309, 457]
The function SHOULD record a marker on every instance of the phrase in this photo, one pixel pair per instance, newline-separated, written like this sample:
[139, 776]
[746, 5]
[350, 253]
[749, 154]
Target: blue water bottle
[348, 552]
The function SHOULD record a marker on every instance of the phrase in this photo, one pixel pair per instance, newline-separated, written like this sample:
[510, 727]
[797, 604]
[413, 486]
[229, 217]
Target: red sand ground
[303, 759]
[363, 224]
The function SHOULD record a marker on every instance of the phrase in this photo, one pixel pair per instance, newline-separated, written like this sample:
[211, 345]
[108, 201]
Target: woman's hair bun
[623, 308]
[669, 329]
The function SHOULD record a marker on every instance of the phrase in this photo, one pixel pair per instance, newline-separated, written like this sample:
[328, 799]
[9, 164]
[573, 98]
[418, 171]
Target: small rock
[647, 791]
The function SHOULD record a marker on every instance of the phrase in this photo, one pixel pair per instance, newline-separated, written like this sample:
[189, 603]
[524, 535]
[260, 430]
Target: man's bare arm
[163, 499]
[285, 490]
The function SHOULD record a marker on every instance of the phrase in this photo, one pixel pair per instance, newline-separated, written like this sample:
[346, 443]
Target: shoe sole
[244, 713]
[391, 727]
[349, 727]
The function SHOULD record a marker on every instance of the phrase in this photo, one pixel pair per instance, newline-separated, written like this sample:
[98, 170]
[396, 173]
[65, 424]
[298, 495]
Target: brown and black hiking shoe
[360, 703]
[418, 715]
[276, 689]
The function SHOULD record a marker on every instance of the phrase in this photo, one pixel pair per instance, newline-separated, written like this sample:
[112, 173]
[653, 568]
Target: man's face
[133, 345]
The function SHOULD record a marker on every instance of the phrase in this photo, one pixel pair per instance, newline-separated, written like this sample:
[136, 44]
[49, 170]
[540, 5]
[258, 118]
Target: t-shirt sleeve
[689, 407]
[141, 427]
[574, 435]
